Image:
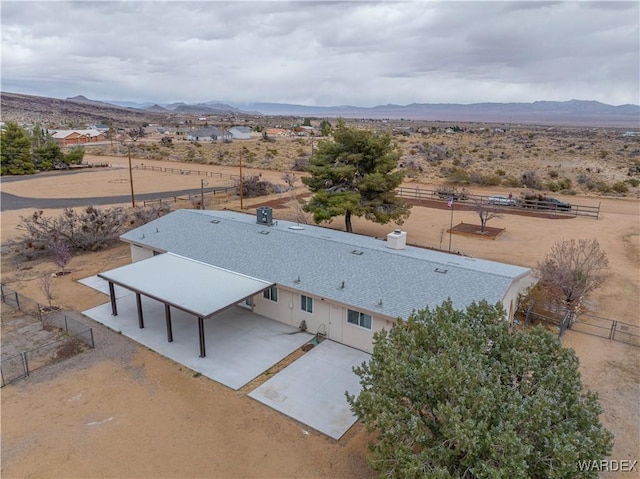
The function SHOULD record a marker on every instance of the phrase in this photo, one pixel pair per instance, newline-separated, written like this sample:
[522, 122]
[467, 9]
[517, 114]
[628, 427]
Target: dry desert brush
[86, 229]
[572, 270]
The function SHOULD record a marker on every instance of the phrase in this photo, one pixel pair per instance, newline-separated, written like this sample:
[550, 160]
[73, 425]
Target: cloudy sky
[323, 53]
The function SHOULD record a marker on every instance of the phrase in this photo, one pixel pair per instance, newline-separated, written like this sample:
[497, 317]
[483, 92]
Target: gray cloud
[323, 53]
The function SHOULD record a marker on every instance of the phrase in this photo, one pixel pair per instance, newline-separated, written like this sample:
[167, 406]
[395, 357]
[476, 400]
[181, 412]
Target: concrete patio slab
[240, 344]
[311, 389]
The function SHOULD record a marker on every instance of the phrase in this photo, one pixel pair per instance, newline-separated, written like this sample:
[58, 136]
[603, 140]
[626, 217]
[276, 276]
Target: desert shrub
[254, 185]
[620, 187]
[487, 180]
[512, 182]
[456, 175]
[501, 172]
[88, 229]
[553, 174]
[555, 186]
[530, 179]
[552, 186]
[633, 182]
[300, 164]
[413, 166]
[435, 152]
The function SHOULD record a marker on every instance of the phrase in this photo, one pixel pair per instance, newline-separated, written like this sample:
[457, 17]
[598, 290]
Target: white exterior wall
[326, 317]
[510, 300]
[139, 253]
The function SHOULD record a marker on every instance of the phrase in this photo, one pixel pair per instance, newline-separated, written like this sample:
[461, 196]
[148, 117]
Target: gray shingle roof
[322, 258]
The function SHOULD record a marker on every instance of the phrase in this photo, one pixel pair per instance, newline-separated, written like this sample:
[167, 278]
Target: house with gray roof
[211, 133]
[342, 285]
[240, 132]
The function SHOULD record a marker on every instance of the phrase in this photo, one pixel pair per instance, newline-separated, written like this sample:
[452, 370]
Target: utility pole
[133, 199]
[241, 205]
[450, 204]
[201, 194]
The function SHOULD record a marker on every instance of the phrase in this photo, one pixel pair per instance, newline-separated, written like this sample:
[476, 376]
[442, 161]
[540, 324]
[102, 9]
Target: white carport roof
[192, 286]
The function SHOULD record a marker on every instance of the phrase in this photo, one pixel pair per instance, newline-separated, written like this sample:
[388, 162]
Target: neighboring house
[78, 137]
[276, 132]
[204, 134]
[340, 284]
[240, 132]
[303, 130]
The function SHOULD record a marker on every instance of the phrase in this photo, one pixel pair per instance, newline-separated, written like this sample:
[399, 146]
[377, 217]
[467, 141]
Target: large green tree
[356, 175]
[15, 151]
[454, 393]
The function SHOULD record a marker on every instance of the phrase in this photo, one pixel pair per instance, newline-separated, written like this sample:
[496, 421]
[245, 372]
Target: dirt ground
[123, 411]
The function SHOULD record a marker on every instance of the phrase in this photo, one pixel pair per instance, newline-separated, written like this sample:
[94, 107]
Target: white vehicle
[501, 200]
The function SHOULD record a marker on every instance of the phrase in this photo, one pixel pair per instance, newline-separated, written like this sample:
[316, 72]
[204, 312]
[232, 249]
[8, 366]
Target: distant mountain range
[573, 112]
[578, 112]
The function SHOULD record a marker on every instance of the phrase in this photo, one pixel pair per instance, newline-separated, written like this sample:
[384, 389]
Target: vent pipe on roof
[397, 239]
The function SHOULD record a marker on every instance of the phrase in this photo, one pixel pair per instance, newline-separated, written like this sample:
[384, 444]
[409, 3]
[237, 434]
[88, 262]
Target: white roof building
[344, 284]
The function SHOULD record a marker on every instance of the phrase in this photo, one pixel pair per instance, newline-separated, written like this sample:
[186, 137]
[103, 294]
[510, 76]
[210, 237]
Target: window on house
[271, 294]
[306, 304]
[359, 319]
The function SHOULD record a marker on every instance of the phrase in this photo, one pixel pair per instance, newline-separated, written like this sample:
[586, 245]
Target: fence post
[93, 345]
[17, 300]
[526, 318]
[66, 326]
[25, 363]
[2, 293]
[612, 334]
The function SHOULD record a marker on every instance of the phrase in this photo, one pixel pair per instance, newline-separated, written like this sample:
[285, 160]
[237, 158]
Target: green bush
[620, 187]
[458, 175]
[501, 172]
[512, 182]
[633, 182]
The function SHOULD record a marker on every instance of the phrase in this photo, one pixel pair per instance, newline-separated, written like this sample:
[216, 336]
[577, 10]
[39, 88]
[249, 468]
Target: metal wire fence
[585, 323]
[68, 338]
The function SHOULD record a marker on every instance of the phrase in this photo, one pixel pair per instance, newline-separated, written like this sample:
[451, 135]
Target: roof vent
[397, 239]
[357, 252]
[438, 270]
[264, 215]
[265, 232]
[215, 222]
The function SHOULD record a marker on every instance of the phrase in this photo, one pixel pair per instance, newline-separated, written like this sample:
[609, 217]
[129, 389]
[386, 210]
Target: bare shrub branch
[485, 212]
[61, 253]
[46, 286]
[573, 269]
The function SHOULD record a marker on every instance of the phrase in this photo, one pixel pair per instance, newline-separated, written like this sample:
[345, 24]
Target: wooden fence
[468, 198]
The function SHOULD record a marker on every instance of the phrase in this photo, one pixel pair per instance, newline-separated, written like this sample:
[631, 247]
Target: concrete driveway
[311, 389]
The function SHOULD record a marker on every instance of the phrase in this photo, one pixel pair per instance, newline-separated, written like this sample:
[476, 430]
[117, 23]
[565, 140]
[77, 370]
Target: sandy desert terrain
[123, 411]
